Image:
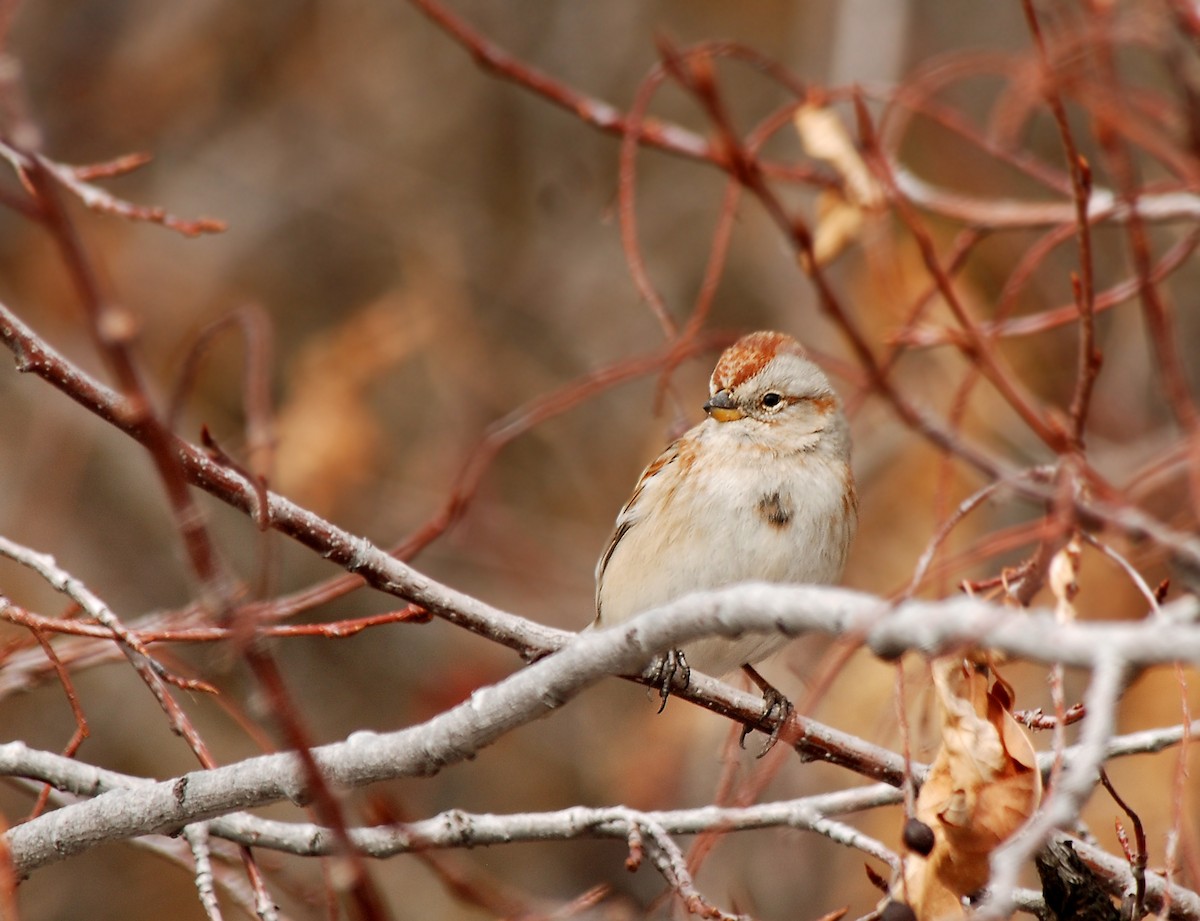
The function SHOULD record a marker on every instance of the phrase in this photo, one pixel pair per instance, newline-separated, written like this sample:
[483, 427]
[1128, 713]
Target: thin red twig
[1138, 859]
[81, 724]
[1083, 283]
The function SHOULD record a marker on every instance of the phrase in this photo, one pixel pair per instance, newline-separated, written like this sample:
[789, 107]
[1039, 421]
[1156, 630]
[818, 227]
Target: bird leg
[670, 667]
[774, 703]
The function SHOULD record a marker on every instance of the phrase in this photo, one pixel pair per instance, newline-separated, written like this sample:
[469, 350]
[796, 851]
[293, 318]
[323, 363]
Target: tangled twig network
[1001, 281]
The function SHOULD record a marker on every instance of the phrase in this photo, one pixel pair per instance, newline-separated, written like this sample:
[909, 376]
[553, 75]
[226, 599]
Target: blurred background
[435, 247]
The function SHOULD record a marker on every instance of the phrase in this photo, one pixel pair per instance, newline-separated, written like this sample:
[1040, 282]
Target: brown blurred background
[434, 248]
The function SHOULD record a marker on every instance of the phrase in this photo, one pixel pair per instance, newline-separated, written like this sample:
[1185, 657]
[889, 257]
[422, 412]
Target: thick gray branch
[367, 757]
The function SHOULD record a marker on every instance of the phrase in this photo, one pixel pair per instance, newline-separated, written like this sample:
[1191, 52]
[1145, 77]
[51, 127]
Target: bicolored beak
[722, 407]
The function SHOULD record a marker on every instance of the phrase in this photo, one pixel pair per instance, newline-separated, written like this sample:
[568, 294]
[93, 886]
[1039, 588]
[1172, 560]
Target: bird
[761, 490]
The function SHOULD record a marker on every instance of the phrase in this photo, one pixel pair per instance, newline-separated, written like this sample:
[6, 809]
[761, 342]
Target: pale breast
[757, 516]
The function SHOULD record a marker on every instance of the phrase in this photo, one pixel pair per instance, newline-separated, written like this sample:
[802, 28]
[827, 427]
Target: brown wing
[626, 518]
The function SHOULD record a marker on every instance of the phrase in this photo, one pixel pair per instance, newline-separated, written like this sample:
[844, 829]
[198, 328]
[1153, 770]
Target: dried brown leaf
[839, 223]
[825, 137]
[841, 212]
[1064, 579]
[983, 785]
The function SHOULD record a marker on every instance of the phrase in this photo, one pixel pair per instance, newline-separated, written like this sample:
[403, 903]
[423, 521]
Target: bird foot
[777, 710]
[671, 671]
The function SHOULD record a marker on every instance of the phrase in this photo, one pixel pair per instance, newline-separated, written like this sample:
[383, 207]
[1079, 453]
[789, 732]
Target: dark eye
[772, 399]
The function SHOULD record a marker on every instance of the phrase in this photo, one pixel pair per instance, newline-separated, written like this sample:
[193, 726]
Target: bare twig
[1137, 859]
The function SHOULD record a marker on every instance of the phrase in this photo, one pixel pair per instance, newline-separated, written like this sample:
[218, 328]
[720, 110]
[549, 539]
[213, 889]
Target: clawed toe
[671, 666]
[777, 710]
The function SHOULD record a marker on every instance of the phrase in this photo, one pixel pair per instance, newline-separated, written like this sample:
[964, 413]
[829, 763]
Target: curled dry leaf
[839, 223]
[840, 212]
[1064, 579]
[983, 785]
[825, 138]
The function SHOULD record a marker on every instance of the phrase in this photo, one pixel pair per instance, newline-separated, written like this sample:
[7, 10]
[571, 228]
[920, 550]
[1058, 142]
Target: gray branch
[930, 628]
[1103, 205]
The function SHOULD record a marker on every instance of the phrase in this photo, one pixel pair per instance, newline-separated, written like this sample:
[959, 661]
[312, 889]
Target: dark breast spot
[772, 508]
